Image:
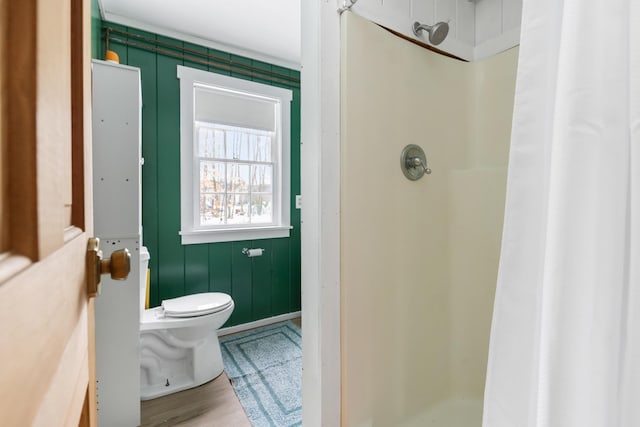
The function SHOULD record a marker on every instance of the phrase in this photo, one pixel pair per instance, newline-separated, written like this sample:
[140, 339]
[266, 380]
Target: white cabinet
[117, 159]
[116, 149]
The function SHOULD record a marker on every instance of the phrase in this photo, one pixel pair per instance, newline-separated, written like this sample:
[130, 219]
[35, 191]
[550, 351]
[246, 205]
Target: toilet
[179, 346]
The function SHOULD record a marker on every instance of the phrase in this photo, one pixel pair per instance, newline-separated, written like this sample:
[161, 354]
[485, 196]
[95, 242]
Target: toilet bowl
[179, 346]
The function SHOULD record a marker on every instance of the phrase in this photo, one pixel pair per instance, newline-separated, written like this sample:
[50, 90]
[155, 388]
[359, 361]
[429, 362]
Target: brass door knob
[118, 265]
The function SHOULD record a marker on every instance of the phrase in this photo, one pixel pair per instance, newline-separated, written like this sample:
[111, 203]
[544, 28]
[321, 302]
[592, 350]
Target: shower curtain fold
[565, 338]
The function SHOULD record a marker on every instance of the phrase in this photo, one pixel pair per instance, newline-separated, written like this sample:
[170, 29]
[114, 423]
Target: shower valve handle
[416, 162]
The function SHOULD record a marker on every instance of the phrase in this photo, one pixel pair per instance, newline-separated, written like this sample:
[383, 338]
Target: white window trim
[188, 232]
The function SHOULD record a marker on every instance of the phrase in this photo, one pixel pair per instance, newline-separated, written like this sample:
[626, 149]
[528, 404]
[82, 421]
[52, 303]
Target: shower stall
[419, 258]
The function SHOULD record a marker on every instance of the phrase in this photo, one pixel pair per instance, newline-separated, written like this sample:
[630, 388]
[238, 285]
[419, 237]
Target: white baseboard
[257, 323]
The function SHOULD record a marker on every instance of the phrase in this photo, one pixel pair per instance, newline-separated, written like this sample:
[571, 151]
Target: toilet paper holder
[252, 252]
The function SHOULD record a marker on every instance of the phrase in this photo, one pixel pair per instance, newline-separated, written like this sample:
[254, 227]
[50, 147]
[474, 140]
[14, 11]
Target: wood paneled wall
[494, 18]
[478, 29]
[262, 286]
[96, 29]
[399, 15]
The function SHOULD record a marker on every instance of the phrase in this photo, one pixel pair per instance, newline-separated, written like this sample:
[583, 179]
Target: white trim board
[320, 216]
[258, 323]
[128, 22]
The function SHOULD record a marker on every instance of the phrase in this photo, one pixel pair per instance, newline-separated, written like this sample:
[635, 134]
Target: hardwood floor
[297, 321]
[213, 404]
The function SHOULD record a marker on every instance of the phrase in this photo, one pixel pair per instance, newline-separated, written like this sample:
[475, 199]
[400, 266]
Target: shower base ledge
[455, 412]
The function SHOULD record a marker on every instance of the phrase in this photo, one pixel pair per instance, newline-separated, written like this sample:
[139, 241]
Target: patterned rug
[265, 368]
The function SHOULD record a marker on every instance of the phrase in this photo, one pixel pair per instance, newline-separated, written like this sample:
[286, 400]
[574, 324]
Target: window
[234, 150]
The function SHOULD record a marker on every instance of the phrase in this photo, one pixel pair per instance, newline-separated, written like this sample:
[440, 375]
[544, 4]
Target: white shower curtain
[565, 338]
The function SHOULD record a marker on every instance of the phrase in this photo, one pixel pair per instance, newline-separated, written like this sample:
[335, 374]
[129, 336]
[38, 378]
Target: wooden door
[46, 318]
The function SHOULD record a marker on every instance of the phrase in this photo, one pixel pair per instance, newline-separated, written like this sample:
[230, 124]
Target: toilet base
[169, 365]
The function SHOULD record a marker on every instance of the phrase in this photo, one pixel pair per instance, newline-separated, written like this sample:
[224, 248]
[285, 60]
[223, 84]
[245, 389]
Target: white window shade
[234, 109]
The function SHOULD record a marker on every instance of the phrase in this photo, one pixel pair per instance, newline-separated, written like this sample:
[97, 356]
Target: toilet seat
[196, 304]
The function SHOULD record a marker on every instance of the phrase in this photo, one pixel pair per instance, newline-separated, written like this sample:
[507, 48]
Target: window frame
[190, 231]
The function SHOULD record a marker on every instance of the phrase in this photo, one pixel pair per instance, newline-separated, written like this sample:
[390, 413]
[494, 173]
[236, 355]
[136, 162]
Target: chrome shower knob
[413, 162]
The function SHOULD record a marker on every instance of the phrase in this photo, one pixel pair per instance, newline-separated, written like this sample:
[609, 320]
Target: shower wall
[419, 259]
[475, 206]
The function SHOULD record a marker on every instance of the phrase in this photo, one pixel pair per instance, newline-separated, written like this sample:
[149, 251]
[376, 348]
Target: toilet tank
[144, 265]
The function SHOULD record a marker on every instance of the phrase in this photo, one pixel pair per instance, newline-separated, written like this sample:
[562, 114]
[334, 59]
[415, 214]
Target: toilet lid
[196, 304]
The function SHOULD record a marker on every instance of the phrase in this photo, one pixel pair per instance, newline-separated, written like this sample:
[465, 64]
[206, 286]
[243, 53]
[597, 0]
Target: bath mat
[265, 368]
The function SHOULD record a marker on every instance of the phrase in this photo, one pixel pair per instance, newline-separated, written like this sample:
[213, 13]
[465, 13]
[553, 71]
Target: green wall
[96, 29]
[261, 287]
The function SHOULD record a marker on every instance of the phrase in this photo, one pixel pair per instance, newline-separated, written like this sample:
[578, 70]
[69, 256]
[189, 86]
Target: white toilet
[179, 346]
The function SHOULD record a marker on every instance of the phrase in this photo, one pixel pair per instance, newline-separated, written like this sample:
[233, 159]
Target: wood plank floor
[213, 404]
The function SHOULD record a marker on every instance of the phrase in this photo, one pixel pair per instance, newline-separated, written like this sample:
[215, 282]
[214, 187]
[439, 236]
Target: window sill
[233, 234]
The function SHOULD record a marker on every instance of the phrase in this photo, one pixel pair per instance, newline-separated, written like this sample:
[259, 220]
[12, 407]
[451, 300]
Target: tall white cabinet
[117, 160]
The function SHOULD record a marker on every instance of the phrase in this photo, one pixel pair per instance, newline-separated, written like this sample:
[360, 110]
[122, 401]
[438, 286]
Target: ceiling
[267, 30]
